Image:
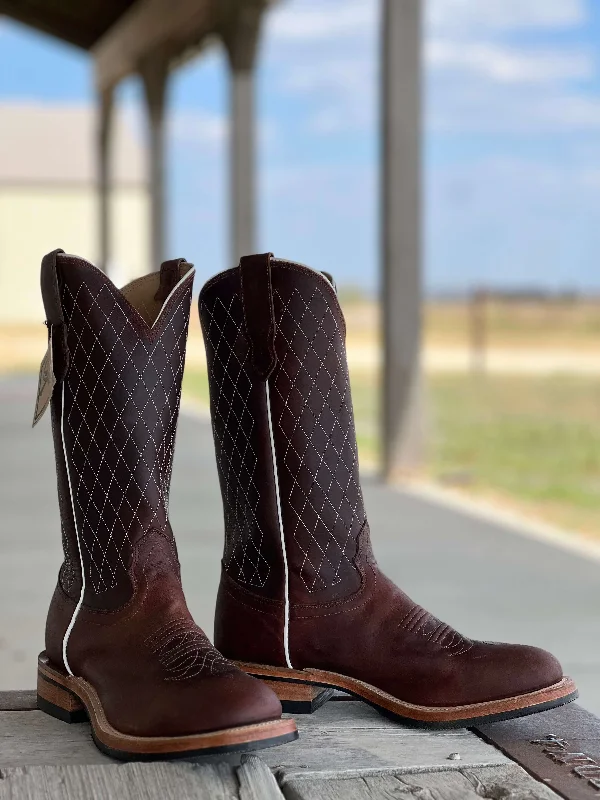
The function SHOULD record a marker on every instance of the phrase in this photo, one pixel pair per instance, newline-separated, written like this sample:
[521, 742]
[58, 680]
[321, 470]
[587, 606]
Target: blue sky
[512, 139]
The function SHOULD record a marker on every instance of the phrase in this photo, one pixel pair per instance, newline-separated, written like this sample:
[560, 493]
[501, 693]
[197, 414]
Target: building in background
[49, 199]
[151, 39]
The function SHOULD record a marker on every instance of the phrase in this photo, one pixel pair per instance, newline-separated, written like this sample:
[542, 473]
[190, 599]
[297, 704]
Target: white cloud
[482, 79]
[508, 64]
[498, 67]
[200, 128]
[340, 75]
[478, 109]
[483, 16]
[502, 177]
[315, 20]
[479, 77]
[209, 131]
[325, 51]
[343, 91]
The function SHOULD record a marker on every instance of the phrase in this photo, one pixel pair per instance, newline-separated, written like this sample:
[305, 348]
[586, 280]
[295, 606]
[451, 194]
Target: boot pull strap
[170, 275]
[259, 314]
[56, 361]
[55, 320]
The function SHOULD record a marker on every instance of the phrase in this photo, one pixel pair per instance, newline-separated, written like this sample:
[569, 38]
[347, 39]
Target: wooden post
[402, 414]
[104, 178]
[478, 330]
[241, 36]
[155, 72]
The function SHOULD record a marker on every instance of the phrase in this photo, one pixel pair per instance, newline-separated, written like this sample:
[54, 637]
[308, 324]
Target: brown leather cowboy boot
[301, 598]
[121, 645]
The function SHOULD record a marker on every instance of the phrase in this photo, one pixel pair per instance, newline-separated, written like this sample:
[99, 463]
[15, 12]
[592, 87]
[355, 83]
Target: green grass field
[531, 443]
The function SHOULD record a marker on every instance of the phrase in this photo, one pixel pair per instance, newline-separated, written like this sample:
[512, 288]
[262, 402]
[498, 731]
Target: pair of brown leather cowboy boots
[302, 603]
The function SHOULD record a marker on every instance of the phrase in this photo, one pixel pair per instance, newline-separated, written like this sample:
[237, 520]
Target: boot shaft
[119, 359]
[284, 431]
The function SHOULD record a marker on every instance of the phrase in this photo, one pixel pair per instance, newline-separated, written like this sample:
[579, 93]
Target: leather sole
[73, 699]
[433, 717]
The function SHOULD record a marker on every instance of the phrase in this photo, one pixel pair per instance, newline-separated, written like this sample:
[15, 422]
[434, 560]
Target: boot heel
[52, 699]
[299, 698]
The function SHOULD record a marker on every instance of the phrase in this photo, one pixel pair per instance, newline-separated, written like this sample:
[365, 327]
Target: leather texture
[155, 671]
[344, 614]
[259, 315]
[121, 398]
[252, 553]
[133, 639]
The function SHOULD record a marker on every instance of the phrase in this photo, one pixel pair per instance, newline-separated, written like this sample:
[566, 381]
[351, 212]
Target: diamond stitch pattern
[323, 511]
[122, 395]
[313, 428]
[233, 401]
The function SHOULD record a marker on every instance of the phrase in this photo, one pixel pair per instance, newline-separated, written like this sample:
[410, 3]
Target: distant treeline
[522, 294]
[516, 295]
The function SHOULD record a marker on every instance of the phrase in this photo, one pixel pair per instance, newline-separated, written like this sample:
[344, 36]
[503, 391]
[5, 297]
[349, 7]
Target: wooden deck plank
[257, 781]
[348, 715]
[32, 738]
[367, 753]
[344, 749]
[20, 700]
[344, 736]
[137, 781]
[351, 738]
[507, 782]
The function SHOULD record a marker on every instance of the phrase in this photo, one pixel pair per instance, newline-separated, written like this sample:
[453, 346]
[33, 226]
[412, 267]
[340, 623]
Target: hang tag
[46, 383]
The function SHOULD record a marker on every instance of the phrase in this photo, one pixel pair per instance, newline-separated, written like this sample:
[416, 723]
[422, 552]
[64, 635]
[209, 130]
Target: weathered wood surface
[507, 782]
[345, 750]
[24, 700]
[253, 780]
[351, 738]
[164, 781]
[257, 781]
[31, 738]
[339, 737]
[138, 781]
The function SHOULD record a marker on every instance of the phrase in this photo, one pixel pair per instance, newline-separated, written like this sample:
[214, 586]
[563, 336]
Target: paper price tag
[46, 384]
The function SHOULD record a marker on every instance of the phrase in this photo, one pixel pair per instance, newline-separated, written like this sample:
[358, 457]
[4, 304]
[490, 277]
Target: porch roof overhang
[124, 35]
[150, 37]
[80, 24]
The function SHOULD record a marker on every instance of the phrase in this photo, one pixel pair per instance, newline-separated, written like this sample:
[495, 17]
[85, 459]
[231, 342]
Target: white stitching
[294, 367]
[234, 438]
[159, 465]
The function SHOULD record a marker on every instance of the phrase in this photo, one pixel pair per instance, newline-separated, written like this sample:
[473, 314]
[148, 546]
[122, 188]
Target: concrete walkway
[481, 577]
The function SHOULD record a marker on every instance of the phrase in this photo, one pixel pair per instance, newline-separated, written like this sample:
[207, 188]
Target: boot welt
[433, 717]
[73, 699]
